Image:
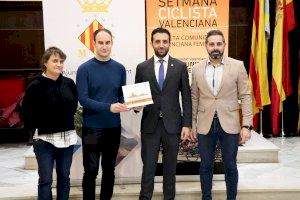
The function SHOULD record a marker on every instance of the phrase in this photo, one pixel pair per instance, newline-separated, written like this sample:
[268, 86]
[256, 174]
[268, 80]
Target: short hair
[160, 30]
[48, 53]
[214, 32]
[102, 30]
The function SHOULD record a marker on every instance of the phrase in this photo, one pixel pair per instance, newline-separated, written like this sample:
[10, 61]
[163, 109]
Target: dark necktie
[161, 74]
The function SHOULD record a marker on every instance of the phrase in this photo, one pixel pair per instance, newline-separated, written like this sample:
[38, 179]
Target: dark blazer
[167, 100]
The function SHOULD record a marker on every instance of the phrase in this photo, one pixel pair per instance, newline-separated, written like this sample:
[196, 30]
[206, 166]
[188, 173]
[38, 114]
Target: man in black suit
[164, 120]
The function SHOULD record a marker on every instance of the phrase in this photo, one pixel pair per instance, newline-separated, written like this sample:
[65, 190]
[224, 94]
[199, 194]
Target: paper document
[137, 94]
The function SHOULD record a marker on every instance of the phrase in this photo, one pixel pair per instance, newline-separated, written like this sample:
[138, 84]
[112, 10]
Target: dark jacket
[50, 105]
[167, 100]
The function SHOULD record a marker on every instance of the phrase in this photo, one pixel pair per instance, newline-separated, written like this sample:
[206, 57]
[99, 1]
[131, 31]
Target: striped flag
[258, 72]
[87, 37]
[281, 81]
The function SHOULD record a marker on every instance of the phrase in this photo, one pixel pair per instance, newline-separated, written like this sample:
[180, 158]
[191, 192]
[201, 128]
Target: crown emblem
[94, 5]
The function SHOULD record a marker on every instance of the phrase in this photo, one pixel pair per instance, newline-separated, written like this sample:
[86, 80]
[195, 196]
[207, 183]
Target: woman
[48, 109]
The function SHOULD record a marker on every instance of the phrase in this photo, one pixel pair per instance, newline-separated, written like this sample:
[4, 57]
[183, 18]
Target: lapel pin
[172, 64]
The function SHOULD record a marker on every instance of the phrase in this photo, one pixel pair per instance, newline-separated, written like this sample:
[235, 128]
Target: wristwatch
[248, 127]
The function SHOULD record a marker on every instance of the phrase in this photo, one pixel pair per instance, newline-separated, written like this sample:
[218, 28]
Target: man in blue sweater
[99, 84]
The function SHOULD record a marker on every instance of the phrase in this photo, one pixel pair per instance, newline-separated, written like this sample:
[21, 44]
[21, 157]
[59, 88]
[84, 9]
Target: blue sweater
[99, 85]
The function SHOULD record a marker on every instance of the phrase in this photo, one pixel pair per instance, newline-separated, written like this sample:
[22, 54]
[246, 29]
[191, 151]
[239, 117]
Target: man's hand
[245, 135]
[185, 132]
[139, 108]
[193, 136]
[118, 107]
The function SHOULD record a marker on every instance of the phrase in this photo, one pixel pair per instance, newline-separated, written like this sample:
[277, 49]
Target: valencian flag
[281, 81]
[258, 71]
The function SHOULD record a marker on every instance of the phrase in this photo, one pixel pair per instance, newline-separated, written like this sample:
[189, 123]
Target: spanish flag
[281, 81]
[258, 71]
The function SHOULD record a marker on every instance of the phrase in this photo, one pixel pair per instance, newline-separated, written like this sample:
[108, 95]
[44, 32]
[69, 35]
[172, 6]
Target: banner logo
[87, 37]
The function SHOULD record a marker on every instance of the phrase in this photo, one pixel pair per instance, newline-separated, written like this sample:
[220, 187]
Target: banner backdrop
[188, 21]
[70, 24]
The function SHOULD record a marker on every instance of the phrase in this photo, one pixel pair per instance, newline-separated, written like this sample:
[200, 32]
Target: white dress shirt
[157, 65]
[213, 75]
[60, 139]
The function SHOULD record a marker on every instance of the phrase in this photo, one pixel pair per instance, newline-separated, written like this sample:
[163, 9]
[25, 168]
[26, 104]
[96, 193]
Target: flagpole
[282, 127]
[260, 123]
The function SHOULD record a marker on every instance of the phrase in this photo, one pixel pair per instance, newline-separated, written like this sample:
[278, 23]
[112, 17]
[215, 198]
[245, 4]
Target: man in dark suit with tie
[163, 121]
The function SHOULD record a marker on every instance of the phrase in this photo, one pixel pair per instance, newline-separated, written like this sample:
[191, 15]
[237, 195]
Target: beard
[161, 55]
[216, 54]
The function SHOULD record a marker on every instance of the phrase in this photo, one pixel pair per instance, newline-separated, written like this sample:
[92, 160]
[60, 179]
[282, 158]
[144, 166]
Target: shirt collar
[165, 59]
[209, 63]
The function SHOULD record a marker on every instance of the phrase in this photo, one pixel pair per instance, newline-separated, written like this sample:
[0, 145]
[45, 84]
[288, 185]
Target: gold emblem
[94, 5]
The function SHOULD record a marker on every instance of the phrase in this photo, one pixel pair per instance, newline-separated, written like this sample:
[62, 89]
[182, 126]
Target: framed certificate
[137, 94]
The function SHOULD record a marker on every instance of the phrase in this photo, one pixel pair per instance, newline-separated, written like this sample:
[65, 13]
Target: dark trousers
[46, 154]
[96, 141]
[229, 147]
[150, 149]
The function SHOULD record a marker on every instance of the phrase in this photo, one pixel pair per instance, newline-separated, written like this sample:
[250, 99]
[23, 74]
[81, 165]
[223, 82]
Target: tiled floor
[15, 181]
[13, 178]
